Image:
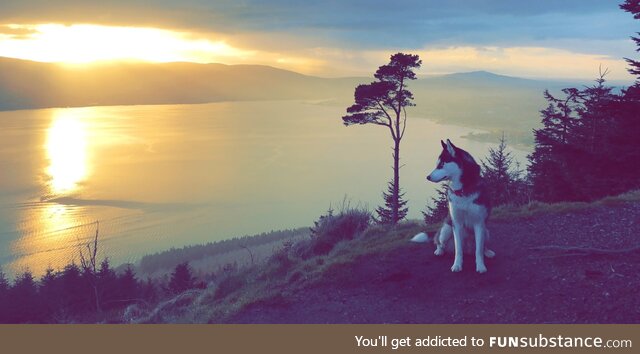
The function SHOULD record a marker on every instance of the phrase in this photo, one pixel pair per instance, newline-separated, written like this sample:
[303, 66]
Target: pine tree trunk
[396, 182]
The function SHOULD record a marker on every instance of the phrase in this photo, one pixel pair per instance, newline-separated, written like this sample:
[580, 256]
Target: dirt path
[411, 285]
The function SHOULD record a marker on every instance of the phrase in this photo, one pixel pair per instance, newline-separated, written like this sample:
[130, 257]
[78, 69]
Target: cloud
[364, 23]
[532, 62]
[16, 32]
[88, 43]
[334, 37]
[535, 62]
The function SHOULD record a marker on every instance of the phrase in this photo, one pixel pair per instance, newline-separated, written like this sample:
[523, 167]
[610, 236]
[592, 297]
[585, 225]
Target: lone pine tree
[383, 102]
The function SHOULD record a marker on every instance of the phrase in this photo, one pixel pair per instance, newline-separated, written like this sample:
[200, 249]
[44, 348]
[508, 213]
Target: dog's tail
[420, 238]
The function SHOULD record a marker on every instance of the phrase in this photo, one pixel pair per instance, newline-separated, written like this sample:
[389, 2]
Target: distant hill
[479, 99]
[485, 78]
[25, 84]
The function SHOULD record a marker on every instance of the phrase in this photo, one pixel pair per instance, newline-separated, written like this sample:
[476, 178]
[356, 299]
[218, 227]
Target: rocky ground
[536, 277]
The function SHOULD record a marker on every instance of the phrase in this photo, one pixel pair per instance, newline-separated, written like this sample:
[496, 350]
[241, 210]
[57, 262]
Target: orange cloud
[85, 43]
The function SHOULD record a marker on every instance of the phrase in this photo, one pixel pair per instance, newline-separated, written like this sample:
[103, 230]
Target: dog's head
[451, 164]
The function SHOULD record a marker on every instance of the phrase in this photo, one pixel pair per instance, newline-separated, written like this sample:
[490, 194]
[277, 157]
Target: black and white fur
[469, 205]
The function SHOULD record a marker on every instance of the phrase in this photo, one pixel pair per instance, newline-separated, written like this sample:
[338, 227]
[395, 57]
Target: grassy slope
[208, 258]
[271, 282]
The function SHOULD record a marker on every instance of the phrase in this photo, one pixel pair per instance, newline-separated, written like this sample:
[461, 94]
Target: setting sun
[84, 43]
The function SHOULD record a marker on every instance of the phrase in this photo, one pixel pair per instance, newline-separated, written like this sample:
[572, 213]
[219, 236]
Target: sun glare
[66, 148]
[84, 43]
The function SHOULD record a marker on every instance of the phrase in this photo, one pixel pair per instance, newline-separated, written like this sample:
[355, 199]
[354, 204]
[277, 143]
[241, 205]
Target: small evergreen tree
[496, 170]
[320, 223]
[592, 158]
[503, 177]
[181, 279]
[394, 208]
[106, 284]
[128, 285]
[439, 206]
[149, 291]
[76, 292]
[547, 164]
[23, 297]
[49, 291]
[48, 279]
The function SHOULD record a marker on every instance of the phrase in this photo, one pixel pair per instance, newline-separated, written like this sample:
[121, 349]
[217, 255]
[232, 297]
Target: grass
[289, 269]
[297, 265]
[533, 209]
[331, 229]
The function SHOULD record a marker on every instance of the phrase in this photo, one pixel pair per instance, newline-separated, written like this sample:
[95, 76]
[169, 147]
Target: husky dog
[469, 206]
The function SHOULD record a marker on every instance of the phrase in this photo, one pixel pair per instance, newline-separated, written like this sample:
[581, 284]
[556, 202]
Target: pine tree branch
[393, 135]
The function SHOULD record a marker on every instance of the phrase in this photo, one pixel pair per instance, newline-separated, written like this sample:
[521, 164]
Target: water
[157, 177]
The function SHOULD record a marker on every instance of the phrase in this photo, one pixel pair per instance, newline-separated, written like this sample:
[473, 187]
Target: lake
[164, 176]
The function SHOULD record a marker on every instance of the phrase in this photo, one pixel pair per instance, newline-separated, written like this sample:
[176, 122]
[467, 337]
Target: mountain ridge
[30, 85]
[477, 99]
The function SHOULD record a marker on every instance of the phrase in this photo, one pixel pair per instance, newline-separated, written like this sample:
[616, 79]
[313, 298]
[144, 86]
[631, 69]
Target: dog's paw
[489, 253]
[481, 268]
[456, 267]
[439, 252]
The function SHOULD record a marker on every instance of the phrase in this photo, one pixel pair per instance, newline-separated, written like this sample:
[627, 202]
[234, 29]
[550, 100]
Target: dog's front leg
[458, 231]
[480, 233]
[442, 238]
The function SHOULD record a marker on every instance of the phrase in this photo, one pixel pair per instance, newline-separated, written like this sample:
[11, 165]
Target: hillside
[26, 84]
[564, 263]
[208, 258]
[477, 99]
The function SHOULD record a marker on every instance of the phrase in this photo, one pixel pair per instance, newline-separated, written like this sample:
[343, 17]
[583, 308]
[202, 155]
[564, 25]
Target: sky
[331, 38]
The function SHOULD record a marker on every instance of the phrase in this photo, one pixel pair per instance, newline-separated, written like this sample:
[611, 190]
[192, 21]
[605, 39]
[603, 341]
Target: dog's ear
[451, 148]
[444, 146]
[450, 143]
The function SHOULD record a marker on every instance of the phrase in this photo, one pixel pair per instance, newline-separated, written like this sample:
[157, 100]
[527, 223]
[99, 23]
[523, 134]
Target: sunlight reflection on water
[66, 149]
[50, 231]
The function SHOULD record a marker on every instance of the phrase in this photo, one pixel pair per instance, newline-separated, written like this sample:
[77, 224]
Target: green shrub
[330, 229]
[229, 284]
